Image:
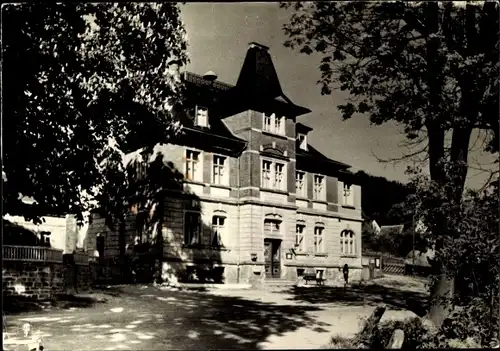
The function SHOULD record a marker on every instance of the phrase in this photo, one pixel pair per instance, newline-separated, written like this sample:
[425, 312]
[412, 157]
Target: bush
[458, 331]
[340, 342]
[476, 322]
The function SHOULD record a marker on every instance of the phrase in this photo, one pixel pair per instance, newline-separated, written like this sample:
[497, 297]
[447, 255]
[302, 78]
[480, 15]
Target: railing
[81, 258]
[31, 254]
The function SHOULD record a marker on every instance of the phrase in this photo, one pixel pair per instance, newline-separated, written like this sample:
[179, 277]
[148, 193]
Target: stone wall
[42, 280]
[36, 280]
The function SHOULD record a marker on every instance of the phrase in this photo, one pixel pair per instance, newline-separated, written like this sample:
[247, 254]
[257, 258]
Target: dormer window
[201, 116]
[302, 138]
[273, 124]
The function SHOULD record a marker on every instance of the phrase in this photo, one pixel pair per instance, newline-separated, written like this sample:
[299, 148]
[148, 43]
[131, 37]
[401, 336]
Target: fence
[31, 254]
[393, 265]
[81, 258]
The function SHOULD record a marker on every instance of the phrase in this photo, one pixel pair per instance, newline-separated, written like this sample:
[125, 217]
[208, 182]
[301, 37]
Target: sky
[218, 37]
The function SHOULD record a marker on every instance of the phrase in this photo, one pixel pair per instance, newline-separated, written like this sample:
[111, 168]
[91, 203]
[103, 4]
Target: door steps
[277, 282]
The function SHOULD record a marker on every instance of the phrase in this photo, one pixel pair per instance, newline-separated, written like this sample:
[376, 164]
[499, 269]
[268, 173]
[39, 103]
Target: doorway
[272, 258]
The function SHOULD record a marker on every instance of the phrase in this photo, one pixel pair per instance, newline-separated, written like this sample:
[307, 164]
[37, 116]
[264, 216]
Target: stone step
[279, 282]
[214, 286]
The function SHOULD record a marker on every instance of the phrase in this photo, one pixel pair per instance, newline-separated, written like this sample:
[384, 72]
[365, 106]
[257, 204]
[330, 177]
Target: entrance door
[272, 258]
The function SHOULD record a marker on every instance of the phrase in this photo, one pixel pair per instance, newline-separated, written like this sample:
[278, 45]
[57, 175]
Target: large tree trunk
[441, 299]
[442, 292]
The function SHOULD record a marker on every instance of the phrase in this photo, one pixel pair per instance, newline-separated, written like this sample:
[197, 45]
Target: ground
[145, 317]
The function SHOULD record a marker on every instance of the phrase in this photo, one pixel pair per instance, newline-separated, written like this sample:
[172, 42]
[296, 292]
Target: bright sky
[219, 34]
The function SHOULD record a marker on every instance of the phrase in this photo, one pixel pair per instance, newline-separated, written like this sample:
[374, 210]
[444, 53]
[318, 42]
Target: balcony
[31, 254]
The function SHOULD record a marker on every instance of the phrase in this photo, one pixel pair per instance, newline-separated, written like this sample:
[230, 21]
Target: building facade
[256, 200]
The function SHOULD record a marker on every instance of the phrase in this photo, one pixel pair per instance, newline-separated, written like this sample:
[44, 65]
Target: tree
[379, 195]
[430, 67]
[80, 80]
[471, 256]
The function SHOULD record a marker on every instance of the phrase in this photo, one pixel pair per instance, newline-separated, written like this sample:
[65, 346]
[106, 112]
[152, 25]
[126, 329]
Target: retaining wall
[36, 280]
[42, 280]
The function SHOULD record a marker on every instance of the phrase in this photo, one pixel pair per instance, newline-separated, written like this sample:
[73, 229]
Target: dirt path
[146, 319]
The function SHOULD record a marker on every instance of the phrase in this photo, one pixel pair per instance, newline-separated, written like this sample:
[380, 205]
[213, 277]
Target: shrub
[475, 322]
[417, 335]
[340, 342]
[459, 331]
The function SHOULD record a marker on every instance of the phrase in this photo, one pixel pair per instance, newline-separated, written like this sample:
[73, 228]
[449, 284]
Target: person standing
[345, 270]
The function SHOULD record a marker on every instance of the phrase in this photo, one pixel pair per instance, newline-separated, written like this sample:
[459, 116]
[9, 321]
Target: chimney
[253, 44]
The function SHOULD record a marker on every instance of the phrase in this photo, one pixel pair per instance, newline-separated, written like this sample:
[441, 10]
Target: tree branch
[396, 160]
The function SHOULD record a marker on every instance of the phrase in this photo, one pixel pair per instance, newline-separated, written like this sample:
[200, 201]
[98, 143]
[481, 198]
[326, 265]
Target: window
[141, 168]
[45, 238]
[278, 176]
[273, 175]
[220, 172]
[300, 184]
[218, 227]
[347, 242]
[268, 123]
[277, 125]
[271, 226]
[273, 124]
[192, 228]
[348, 195]
[299, 237]
[302, 139]
[99, 244]
[300, 272]
[193, 169]
[201, 116]
[141, 228]
[318, 240]
[320, 273]
[319, 187]
[266, 174]
[146, 228]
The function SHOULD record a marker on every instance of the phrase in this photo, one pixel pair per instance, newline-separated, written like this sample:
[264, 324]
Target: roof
[302, 128]
[258, 81]
[421, 258]
[217, 126]
[311, 152]
[17, 234]
[391, 229]
[198, 80]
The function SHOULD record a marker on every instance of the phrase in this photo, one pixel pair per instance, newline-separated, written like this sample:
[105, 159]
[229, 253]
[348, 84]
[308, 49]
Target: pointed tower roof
[258, 82]
[258, 75]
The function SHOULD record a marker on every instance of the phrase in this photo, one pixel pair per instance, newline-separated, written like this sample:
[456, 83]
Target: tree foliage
[379, 195]
[470, 254]
[80, 81]
[430, 67]
[394, 244]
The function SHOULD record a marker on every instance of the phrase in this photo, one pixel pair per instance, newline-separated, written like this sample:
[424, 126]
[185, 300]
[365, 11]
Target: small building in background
[55, 232]
[419, 262]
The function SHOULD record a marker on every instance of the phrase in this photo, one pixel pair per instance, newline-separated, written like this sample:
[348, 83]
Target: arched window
[347, 242]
